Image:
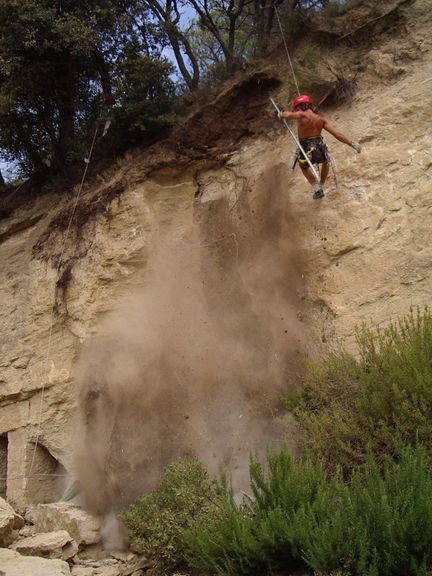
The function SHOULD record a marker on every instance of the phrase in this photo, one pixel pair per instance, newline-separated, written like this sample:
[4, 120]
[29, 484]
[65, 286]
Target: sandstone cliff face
[361, 254]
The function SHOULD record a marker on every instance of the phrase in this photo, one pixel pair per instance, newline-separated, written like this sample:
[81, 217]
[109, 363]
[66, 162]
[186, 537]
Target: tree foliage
[65, 63]
[61, 63]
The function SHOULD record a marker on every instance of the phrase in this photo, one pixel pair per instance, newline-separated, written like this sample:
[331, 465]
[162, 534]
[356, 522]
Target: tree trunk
[105, 77]
[30, 150]
[264, 18]
[66, 110]
[165, 13]
[176, 38]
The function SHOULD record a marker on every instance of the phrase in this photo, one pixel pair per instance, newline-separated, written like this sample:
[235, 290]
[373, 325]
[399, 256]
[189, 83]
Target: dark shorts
[315, 150]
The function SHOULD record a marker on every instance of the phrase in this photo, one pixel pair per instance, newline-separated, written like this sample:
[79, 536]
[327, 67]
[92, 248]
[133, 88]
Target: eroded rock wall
[361, 254]
[49, 309]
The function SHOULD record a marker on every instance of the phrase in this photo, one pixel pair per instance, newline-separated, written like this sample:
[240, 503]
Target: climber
[310, 126]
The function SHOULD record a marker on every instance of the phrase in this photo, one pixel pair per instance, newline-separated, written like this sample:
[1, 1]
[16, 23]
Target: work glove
[357, 147]
[279, 114]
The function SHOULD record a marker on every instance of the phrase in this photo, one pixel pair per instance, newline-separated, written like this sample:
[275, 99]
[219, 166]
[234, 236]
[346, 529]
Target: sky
[8, 170]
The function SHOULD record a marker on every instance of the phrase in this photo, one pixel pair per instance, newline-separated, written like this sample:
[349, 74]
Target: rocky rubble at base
[60, 539]
[10, 522]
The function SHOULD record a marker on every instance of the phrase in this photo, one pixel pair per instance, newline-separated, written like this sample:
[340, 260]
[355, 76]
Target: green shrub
[380, 523]
[157, 521]
[225, 544]
[360, 501]
[350, 405]
[259, 536]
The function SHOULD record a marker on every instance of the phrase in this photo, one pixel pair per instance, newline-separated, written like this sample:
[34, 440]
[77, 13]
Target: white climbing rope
[59, 263]
[21, 476]
[287, 51]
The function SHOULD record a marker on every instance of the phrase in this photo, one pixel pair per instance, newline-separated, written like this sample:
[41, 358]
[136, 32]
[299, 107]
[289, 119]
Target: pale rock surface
[88, 562]
[92, 552]
[365, 249]
[82, 571]
[82, 527]
[30, 515]
[13, 564]
[27, 531]
[110, 571]
[10, 521]
[57, 544]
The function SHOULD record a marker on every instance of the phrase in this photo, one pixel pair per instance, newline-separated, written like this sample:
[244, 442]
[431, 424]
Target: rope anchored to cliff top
[293, 136]
[87, 161]
[286, 49]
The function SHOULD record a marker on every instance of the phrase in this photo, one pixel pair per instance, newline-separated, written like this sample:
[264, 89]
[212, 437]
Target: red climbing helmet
[302, 99]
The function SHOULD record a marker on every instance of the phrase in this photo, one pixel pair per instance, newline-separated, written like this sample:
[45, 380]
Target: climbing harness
[315, 150]
[310, 153]
[294, 137]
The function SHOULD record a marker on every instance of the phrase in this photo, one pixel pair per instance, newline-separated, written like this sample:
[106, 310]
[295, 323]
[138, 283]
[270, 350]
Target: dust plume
[194, 362]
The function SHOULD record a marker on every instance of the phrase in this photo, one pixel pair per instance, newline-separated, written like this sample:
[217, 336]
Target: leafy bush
[378, 524]
[382, 525]
[350, 405]
[260, 535]
[359, 503]
[157, 521]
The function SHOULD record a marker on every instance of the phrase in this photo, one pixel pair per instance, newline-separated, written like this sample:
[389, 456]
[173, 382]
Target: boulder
[27, 531]
[30, 515]
[13, 564]
[48, 545]
[111, 571]
[84, 528]
[9, 522]
[82, 571]
[93, 552]
[136, 564]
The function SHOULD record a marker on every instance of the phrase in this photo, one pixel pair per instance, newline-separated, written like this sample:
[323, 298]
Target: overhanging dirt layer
[218, 127]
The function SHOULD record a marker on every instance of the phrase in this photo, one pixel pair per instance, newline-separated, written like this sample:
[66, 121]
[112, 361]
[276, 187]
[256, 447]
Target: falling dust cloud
[194, 363]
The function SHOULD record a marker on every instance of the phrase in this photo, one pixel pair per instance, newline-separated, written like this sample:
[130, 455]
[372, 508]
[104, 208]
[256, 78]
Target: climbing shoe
[318, 194]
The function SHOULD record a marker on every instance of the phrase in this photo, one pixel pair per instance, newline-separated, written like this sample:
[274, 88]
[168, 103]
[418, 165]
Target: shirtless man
[310, 126]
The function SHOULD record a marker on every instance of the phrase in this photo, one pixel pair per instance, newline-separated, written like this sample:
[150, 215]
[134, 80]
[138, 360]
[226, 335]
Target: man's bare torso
[309, 124]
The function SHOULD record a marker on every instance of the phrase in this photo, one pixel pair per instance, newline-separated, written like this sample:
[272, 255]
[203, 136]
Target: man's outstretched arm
[341, 137]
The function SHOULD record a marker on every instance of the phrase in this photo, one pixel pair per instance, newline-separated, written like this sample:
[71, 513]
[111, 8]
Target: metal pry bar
[294, 137]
